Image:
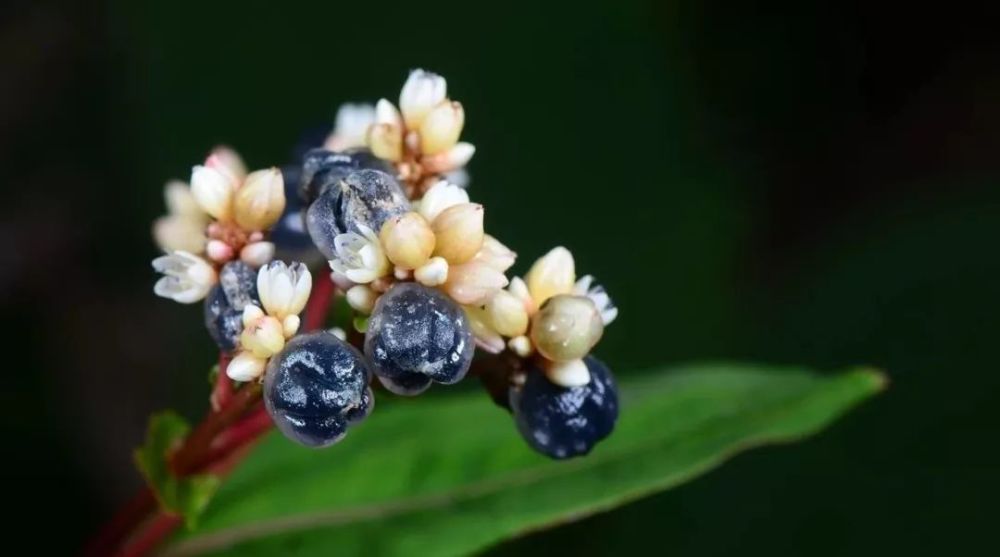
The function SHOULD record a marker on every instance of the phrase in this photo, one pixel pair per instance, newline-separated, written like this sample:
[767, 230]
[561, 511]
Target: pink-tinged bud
[452, 159]
[219, 251]
[473, 284]
[261, 200]
[408, 240]
[421, 93]
[459, 232]
[441, 128]
[263, 337]
[495, 254]
[229, 162]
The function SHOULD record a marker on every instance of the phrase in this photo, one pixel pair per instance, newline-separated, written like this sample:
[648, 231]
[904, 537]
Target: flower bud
[433, 273]
[566, 327]
[495, 254]
[386, 141]
[486, 338]
[228, 162]
[350, 126]
[283, 289]
[179, 233]
[263, 337]
[408, 240]
[219, 251]
[573, 373]
[213, 191]
[554, 273]
[361, 298]
[245, 367]
[521, 346]
[507, 314]
[439, 197]
[290, 325]
[260, 200]
[187, 278]
[422, 91]
[441, 128]
[180, 200]
[459, 231]
[257, 254]
[519, 289]
[452, 159]
[473, 284]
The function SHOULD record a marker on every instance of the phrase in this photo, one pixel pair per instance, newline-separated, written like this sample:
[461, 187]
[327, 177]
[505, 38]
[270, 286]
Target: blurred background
[791, 182]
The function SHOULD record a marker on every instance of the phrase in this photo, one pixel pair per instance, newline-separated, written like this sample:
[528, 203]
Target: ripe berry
[316, 388]
[364, 198]
[417, 335]
[564, 422]
[225, 302]
[322, 168]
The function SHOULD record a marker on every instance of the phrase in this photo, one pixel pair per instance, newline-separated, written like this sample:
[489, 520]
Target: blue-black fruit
[416, 336]
[564, 422]
[316, 388]
[225, 302]
[322, 168]
[291, 239]
[365, 198]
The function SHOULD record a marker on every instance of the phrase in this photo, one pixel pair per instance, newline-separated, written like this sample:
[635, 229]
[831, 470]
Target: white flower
[439, 197]
[360, 257]
[350, 126]
[283, 289]
[422, 91]
[183, 228]
[597, 294]
[187, 278]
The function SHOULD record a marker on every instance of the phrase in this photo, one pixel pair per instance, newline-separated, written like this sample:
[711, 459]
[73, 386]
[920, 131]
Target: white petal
[573, 373]
[213, 191]
[439, 197]
[290, 325]
[257, 254]
[303, 286]
[251, 313]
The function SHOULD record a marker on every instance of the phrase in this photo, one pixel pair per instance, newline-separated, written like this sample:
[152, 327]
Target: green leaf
[187, 497]
[450, 476]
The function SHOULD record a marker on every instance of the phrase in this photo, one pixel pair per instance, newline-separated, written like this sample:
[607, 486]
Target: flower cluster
[223, 215]
[383, 202]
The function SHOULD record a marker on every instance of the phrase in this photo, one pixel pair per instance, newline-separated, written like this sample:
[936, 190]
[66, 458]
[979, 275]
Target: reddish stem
[149, 537]
[319, 301]
[247, 430]
[128, 517]
[222, 393]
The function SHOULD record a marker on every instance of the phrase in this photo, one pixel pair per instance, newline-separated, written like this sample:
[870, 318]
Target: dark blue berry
[225, 302]
[322, 169]
[563, 423]
[291, 240]
[316, 388]
[364, 198]
[417, 335]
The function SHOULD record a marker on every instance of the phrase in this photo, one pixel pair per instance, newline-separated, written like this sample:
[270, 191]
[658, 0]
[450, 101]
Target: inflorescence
[383, 202]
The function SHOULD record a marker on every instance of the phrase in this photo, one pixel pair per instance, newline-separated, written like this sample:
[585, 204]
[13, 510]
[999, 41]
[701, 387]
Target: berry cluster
[383, 202]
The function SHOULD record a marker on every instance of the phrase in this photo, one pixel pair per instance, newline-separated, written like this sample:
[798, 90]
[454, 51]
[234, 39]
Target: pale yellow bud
[554, 273]
[213, 190]
[433, 273]
[290, 325]
[521, 346]
[473, 284]
[179, 233]
[246, 367]
[486, 337]
[507, 314]
[566, 327]
[260, 200]
[459, 231]
[422, 91]
[264, 337]
[408, 240]
[361, 298]
[441, 128]
[386, 141]
[452, 159]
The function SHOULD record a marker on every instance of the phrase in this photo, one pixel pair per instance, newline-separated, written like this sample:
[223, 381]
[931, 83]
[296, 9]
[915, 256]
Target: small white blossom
[554, 273]
[245, 367]
[187, 277]
[597, 294]
[441, 128]
[283, 289]
[359, 257]
[422, 91]
[213, 189]
[432, 273]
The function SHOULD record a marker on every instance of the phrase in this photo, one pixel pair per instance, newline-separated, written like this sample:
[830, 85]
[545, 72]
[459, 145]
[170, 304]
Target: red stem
[149, 537]
[256, 423]
[222, 393]
[128, 517]
[319, 301]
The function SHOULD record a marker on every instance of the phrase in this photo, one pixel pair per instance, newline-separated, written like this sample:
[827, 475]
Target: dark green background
[784, 183]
